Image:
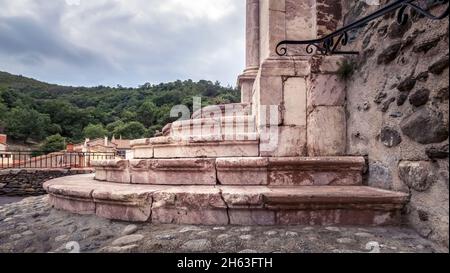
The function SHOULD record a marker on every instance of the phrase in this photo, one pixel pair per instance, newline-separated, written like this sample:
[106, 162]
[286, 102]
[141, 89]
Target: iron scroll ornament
[328, 45]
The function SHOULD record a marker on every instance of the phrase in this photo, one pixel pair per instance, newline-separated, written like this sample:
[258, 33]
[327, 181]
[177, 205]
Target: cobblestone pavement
[32, 226]
[9, 200]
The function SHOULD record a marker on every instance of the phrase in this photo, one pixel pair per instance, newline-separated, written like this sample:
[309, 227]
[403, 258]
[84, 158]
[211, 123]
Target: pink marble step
[222, 205]
[197, 146]
[297, 171]
[214, 126]
[214, 111]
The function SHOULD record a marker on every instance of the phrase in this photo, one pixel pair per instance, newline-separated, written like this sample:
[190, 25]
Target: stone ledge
[226, 204]
[288, 171]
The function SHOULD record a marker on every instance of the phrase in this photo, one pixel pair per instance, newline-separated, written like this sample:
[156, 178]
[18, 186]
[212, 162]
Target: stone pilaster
[246, 80]
[326, 108]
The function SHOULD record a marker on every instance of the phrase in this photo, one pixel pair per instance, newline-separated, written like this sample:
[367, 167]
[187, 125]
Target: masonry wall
[398, 106]
[29, 182]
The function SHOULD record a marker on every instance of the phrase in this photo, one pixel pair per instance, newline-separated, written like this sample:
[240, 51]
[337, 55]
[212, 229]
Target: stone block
[326, 64]
[187, 216]
[327, 131]
[73, 205]
[208, 149]
[242, 171]
[252, 217]
[139, 171]
[120, 212]
[141, 148]
[112, 171]
[283, 141]
[326, 90]
[300, 19]
[192, 197]
[337, 217]
[294, 101]
[285, 67]
[240, 197]
[323, 171]
[190, 171]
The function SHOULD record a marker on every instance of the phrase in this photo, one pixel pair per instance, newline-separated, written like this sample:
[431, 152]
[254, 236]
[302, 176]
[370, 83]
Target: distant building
[103, 145]
[3, 145]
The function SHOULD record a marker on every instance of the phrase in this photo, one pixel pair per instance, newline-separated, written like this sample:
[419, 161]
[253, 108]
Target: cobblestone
[57, 231]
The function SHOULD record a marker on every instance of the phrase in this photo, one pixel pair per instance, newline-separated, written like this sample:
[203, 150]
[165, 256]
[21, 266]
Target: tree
[113, 125]
[93, 131]
[131, 130]
[24, 123]
[3, 111]
[146, 113]
[53, 143]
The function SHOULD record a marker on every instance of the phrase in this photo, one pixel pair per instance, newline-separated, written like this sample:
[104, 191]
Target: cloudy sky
[127, 42]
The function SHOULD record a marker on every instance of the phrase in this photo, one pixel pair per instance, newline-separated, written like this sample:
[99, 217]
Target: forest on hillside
[34, 111]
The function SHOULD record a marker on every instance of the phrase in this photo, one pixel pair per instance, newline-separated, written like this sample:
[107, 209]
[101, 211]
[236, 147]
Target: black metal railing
[329, 44]
[57, 160]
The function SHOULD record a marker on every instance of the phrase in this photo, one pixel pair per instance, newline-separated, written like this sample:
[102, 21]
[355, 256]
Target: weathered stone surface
[192, 171]
[79, 206]
[208, 149]
[330, 124]
[419, 97]
[326, 64]
[440, 152]
[390, 53]
[326, 90]
[390, 137]
[380, 175]
[292, 239]
[199, 245]
[380, 97]
[142, 148]
[426, 44]
[228, 125]
[187, 216]
[406, 84]
[112, 171]
[397, 30]
[283, 141]
[425, 126]
[195, 197]
[130, 229]
[439, 66]
[216, 205]
[124, 212]
[127, 240]
[402, 98]
[387, 104]
[417, 175]
[294, 100]
[242, 171]
[337, 217]
[315, 171]
[252, 217]
[442, 94]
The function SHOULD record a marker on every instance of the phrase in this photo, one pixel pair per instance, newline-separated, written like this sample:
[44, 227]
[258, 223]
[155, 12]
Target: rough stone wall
[29, 182]
[397, 104]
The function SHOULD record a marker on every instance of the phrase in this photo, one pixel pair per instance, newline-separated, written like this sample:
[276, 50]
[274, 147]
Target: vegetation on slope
[33, 111]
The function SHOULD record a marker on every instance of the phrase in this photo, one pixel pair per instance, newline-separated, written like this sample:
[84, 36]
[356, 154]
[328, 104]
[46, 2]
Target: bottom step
[223, 205]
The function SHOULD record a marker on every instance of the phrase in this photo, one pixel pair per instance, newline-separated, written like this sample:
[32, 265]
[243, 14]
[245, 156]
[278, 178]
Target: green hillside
[34, 110]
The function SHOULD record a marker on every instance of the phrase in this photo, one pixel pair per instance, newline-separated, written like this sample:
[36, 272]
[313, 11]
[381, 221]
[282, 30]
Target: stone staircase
[209, 170]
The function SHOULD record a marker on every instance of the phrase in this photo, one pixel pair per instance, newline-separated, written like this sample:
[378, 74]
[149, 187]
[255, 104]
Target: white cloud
[124, 42]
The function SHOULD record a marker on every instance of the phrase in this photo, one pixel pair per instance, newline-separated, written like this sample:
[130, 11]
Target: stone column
[252, 60]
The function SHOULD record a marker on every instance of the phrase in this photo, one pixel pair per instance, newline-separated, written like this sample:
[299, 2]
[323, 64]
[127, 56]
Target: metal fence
[58, 160]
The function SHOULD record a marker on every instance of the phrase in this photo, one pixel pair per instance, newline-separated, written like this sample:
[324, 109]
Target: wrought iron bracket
[329, 44]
